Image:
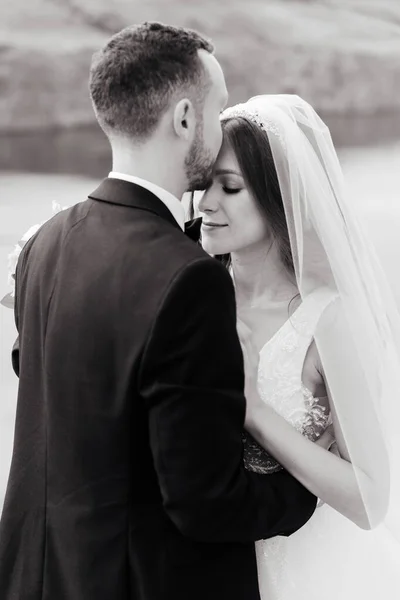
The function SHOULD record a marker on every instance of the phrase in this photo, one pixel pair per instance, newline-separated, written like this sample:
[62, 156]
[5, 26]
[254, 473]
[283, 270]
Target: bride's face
[232, 221]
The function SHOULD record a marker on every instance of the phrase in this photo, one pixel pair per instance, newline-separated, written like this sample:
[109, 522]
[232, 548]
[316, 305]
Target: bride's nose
[207, 204]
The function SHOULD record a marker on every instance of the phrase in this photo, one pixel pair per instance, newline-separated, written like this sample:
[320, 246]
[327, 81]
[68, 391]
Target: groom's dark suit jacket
[127, 480]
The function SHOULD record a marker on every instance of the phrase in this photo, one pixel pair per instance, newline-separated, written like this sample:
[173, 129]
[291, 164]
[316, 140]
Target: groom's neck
[152, 163]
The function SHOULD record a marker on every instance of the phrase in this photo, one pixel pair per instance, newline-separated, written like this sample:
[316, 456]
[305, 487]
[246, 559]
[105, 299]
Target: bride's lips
[211, 225]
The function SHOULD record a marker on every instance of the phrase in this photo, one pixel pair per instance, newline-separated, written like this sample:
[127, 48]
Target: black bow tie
[192, 229]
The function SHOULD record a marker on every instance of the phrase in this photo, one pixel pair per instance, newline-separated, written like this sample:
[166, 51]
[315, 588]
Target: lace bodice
[280, 380]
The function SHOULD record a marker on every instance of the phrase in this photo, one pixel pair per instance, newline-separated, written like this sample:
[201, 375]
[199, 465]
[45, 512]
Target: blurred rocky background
[343, 56]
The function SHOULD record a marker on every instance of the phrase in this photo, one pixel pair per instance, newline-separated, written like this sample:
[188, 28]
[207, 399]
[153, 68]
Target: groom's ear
[184, 119]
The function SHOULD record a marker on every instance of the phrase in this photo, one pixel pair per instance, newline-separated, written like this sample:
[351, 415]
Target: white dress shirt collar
[171, 202]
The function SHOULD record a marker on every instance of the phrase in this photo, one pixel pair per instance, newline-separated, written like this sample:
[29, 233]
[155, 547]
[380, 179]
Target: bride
[319, 333]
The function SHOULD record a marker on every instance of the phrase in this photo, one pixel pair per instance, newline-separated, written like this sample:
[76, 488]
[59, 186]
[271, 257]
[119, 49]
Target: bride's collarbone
[265, 322]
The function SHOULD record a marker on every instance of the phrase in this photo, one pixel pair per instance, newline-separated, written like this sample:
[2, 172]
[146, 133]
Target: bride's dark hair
[253, 153]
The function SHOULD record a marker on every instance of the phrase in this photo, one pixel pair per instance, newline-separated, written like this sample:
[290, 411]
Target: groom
[127, 480]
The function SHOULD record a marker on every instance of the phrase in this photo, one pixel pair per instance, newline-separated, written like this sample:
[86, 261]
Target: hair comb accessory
[244, 110]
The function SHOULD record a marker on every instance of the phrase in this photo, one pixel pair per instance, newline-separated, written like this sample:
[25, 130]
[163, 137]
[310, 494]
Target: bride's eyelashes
[231, 190]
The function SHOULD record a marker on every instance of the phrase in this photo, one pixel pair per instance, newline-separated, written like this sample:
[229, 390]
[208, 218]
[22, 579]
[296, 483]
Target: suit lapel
[125, 193]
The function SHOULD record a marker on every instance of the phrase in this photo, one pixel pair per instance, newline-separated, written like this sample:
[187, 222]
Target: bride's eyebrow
[228, 172]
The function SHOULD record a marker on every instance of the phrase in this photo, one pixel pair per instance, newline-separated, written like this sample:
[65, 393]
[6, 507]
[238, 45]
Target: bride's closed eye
[231, 190]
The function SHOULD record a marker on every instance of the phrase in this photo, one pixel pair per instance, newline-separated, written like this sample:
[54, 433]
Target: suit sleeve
[15, 357]
[20, 267]
[15, 348]
[192, 381]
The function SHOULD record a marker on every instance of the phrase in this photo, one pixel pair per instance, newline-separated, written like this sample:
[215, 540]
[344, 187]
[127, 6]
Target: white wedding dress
[330, 558]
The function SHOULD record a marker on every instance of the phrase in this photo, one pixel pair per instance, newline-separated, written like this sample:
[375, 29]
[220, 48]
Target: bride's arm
[329, 477]
[334, 479]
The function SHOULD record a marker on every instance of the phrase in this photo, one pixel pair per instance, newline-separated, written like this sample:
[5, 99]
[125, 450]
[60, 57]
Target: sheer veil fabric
[358, 336]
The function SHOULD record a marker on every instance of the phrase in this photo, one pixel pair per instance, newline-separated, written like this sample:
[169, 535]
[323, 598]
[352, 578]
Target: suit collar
[125, 193]
[174, 205]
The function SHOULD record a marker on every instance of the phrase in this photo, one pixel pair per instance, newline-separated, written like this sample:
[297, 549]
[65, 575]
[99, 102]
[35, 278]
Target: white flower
[28, 234]
[14, 256]
[58, 208]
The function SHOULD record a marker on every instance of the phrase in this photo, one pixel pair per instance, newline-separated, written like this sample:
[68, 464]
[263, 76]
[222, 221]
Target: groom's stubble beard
[199, 162]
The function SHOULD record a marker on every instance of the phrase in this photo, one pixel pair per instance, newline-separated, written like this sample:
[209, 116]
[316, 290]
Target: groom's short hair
[135, 76]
